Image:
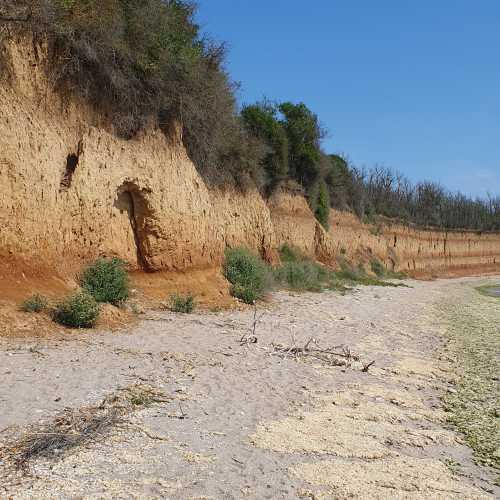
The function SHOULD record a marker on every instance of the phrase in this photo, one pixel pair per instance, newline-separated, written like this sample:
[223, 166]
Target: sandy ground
[246, 423]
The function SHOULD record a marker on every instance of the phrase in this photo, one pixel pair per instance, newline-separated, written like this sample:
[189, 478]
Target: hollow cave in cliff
[131, 199]
[71, 164]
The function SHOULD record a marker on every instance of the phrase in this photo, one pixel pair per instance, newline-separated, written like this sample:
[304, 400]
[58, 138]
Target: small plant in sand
[106, 280]
[182, 303]
[35, 304]
[79, 310]
[248, 274]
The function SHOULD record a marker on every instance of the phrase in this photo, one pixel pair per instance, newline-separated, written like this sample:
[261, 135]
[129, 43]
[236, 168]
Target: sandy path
[257, 426]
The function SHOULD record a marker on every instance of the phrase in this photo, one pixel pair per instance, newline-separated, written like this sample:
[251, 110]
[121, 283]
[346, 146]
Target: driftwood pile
[340, 355]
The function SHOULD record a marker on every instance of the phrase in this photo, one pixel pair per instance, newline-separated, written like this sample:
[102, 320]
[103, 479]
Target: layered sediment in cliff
[71, 190]
[400, 247]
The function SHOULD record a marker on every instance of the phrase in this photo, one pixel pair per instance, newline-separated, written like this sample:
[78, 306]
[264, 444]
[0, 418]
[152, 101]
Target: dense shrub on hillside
[322, 209]
[292, 135]
[340, 182]
[147, 60]
[77, 311]
[249, 275]
[106, 280]
[304, 135]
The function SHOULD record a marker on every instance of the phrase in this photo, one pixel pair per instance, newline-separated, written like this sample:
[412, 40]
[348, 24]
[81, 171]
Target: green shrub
[248, 274]
[106, 280]
[303, 275]
[289, 254]
[347, 271]
[357, 275]
[378, 268]
[35, 304]
[182, 303]
[77, 311]
[262, 120]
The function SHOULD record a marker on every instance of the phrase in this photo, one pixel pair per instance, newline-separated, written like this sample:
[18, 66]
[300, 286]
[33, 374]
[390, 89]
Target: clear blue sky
[413, 85]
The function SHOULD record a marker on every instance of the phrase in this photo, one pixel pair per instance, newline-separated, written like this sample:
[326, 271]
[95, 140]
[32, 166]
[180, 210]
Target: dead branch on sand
[252, 338]
[339, 355]
[312, 349]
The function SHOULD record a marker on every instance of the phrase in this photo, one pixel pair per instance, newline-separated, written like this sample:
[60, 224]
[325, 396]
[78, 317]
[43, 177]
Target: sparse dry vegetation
[340, 355]
[77, 427]
[35, 304]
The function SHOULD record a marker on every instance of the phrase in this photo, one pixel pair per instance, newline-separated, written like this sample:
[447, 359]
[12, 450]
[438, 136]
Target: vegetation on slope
[249, 275]
[251, 278]
[293, 135]
[147, 61]
[182, 303]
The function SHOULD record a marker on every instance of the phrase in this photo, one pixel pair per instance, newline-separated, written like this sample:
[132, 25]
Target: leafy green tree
[304, 135]
[340, 183]
[262, 121]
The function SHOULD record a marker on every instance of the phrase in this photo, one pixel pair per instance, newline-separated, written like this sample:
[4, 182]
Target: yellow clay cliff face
[70, 190]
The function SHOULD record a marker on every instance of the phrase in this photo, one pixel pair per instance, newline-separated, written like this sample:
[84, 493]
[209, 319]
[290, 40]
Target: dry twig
[252, 338]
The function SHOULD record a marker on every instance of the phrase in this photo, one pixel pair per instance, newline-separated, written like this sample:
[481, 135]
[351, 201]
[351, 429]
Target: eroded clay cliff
[71, 190]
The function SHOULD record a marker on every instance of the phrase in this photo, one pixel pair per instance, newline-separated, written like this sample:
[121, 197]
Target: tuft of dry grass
[71, 429]
[76, 427]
